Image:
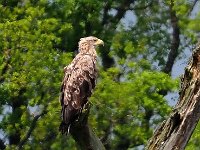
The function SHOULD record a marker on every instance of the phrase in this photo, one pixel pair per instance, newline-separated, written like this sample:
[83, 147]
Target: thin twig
[193, 5]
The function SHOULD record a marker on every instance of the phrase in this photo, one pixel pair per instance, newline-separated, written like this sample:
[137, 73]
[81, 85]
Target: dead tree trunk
[83, 134]
[175, 132]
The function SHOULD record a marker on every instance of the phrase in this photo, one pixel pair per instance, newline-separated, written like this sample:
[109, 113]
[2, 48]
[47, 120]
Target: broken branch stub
[175, 132]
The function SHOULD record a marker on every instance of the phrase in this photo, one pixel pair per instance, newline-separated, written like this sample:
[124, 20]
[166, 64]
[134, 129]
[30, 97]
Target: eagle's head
[89, 43]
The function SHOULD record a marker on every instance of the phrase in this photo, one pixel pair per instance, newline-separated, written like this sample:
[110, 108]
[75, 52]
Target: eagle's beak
[99, 42]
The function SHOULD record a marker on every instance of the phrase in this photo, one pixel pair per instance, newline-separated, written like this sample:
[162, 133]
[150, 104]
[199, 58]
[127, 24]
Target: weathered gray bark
[83, 134]
[175, 132]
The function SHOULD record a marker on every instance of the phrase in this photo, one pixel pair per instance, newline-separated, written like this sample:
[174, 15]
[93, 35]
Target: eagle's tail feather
[64, 128]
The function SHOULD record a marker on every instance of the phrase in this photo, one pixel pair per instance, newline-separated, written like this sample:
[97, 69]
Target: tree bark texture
[175, 132]
[83, 134]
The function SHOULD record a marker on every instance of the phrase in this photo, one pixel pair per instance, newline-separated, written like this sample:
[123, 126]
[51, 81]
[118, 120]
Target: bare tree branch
[2, 144]
[121, 10]
[175, 41]
[32, 127]
[110, 23]
[83, 134]
[106, 8]
[193, 5]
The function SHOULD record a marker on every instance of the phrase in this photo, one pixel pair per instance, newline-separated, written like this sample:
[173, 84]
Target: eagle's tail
[64, 128]
[68, 115]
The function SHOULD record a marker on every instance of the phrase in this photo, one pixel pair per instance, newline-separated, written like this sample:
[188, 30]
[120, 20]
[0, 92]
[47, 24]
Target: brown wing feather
[79, 80]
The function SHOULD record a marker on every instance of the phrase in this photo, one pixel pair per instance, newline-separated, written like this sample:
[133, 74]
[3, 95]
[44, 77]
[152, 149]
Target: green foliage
[194, 141]
[189, 25]
[31, 69]
[127, 105]
[38, 38]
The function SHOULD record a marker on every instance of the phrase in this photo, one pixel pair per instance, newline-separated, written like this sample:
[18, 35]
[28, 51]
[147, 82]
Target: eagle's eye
[95, 40]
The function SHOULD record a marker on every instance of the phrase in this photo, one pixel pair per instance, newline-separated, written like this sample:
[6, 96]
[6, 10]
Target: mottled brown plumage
[79, 81]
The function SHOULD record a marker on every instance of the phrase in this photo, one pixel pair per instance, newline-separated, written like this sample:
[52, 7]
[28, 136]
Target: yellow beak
[99, 42]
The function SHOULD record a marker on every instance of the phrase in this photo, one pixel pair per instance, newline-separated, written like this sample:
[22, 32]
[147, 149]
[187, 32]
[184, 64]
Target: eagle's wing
[79, 80]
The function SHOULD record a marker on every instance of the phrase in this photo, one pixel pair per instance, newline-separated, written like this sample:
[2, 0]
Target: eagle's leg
[86, 107]
[83, 116]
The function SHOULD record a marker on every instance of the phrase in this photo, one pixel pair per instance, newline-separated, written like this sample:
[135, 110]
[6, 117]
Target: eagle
[78, 82]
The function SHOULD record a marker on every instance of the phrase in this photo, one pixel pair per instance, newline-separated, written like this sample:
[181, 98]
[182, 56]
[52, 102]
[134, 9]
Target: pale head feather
[89, 43]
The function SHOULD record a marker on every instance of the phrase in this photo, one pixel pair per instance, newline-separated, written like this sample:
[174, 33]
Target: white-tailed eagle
[79, 81]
